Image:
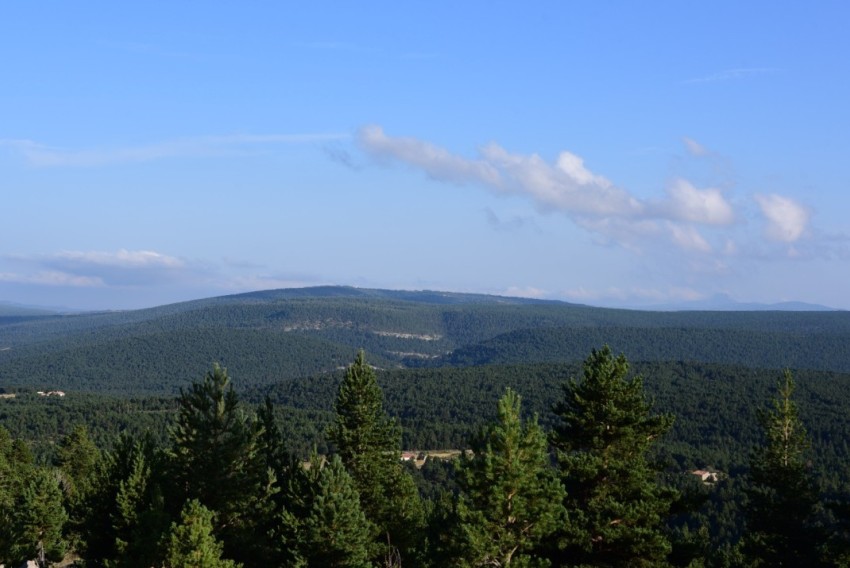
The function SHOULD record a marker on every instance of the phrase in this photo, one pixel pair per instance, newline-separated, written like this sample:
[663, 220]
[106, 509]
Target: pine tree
[39, 518]
[368, 442]
[215, 459]
[616, 507]
[78, 459]
[125, 515]
[782, 496]
[511, 498]
[278, 517]
[139, 517]
[191, 543]
[9, 487]
[335, 531]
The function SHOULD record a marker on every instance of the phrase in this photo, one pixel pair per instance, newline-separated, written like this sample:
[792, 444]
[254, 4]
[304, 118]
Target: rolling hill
[269, 336]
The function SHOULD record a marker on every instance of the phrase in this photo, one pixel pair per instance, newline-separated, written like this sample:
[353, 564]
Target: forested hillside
[158, 466]
[270, 336]
[446, 371]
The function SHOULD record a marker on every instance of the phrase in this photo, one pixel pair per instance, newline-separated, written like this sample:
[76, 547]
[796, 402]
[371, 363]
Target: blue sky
[614, 153]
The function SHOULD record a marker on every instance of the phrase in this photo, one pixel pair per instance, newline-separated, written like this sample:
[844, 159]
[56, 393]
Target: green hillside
[820, 350]
[268, 336]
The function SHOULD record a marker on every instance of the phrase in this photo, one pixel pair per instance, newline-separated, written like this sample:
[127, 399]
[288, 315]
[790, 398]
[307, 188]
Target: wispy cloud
[100, 268]
[51, 278]
[40, 155]
[730, 74]
[438, 163]
[702, 223]
[132, 270]
[122, 258]
[694, 148]
[568, 186]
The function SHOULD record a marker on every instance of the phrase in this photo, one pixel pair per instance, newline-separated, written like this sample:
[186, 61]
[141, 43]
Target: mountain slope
[277, 334]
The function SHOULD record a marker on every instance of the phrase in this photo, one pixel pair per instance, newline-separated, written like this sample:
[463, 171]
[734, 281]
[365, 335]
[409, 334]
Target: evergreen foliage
[335, 532]
[10, 487]
[368, 443]
[191, 543]
[38, 519]
[615, 505]
[284, 334]
[124, 496]
[214, 455]
[77, 458]
[781, 527]
[510, 499]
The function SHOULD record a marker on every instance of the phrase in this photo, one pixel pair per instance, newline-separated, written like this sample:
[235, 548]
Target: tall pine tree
[39, 518]
[616, 507]
[78, 459]
[510, 498]
[216, 460]
[782, 495]
[125, 515]
[369, 444]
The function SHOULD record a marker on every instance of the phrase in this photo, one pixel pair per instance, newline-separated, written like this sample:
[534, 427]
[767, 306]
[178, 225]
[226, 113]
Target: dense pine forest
[702, 450]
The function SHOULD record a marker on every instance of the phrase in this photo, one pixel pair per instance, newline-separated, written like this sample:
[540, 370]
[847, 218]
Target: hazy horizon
[720, 302]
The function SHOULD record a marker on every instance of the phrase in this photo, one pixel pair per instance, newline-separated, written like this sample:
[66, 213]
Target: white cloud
[122, 258]
[786, 219]
[695, 220]
[40, 155]
[567, 186]
[436, 162]
[119, 268]
[702, 206]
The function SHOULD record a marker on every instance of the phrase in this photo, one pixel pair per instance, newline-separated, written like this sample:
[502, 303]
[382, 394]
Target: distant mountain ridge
[13, 309]
[267, 336]
[724, 302]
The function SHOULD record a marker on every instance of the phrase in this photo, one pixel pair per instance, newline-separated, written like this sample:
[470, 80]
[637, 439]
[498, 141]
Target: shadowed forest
[222, 487]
